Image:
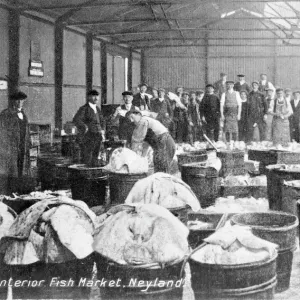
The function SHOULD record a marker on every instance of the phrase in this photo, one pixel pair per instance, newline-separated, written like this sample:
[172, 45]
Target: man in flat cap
[210, 113]
[91, 129]
[269, 97]
[265, 84]
[194, 118]
[257, 112]
[125, 126]
[15, 145]
[295, 118]
[141, 99]
[220, 85]
[288, 94]
[241, 84]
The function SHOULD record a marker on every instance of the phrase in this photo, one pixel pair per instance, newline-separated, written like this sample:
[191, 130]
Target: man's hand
[239, 118]
[203, 119]
[191, 124]
[254, 125]
[265, 118]
[117, 112]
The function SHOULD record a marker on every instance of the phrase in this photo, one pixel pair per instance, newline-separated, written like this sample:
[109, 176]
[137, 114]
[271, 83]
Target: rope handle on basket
[187, 257]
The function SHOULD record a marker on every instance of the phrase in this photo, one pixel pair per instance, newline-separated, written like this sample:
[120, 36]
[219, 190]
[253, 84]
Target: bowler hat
[127, 93]
[93, 93]
[18, 96]
[209, 85]
[241, 75]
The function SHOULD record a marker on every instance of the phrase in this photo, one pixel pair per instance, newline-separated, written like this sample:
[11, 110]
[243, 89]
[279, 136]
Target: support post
[14, 50]
[59, 42]
[89, 62]
[103, 73]
[206, 50]
[129, 73]
[143, 66]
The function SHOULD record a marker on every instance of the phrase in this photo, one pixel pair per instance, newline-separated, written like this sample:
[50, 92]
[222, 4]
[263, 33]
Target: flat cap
[93, 93]
[223, 74]
[297, 92]
[241, 75]
[287, 90]
[269, 89]
[209, 85]
[244, 91]
[229, 82]
[199, 92]
[161, 90]
[143, 84]
[192, 92]
[279, 90]
[185, 93]
[18, 96]
[255, 82]
[127, 93]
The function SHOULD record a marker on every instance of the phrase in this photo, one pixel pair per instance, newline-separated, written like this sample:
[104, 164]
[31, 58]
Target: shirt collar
[161, 99]
[93, 106]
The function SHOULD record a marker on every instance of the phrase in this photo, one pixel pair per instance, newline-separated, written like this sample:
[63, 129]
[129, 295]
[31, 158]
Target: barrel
[278, 228]
[62, 174]
[233, 162]
[170, 277]
[256, 280]
[67, 145]
[290, 196]
[203, 182]
[88, 184]
[276, 174]
[120, 184]
[190, 157]
[46, 279]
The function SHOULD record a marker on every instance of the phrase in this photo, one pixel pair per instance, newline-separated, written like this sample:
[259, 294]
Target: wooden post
[275, 63]
[143, 66]
[206, 50]
[14, 50]
[89, 62]
[129, 73]
[59, 42]
[103, 73]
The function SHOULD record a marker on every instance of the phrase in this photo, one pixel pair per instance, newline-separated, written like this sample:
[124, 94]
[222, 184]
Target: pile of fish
[52, 231]
[232, 245]
[141, 234]
[6, 219]
[165, 190]
[239, 205]
[266, 145]
[124, 160]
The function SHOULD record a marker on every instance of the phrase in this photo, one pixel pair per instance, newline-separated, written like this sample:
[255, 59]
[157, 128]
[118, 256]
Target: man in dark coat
[210, 113]
[91, 129]
[15, 145]
[257, 112]
[141, 100]
[295, 118]
[242, 85]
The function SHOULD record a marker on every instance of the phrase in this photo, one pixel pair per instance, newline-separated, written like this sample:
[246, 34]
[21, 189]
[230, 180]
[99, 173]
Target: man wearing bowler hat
[141, 99]
[91, 129]
[15, 145]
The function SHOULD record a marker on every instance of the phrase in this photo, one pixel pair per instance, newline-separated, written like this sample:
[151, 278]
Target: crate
[34, 139]
[34, 151]
[44, 132]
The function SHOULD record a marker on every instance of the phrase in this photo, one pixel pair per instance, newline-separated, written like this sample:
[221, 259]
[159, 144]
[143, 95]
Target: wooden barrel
[121, 184]
[88, 184]
[290, 196]
[62, 174]
[171, 279]
[233, 162]
[276, 174]
[47, 279]
[255, 280]
[191, 157]
[278, 228]
[203, 182]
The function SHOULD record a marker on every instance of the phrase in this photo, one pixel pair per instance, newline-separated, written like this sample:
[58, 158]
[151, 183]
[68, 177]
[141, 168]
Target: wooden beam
[139, 3]
[129, 73]
[75, 9]
[156, 19]
[103, 72]
[58, 71]
[89, 62]
[13, 50]
[206, 53]
[156, 31]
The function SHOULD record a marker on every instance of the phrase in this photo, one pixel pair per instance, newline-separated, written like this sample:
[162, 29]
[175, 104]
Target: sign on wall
[35, 64]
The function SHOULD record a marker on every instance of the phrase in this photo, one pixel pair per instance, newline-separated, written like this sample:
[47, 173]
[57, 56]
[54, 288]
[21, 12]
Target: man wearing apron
[157, 135]
[231, 106]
